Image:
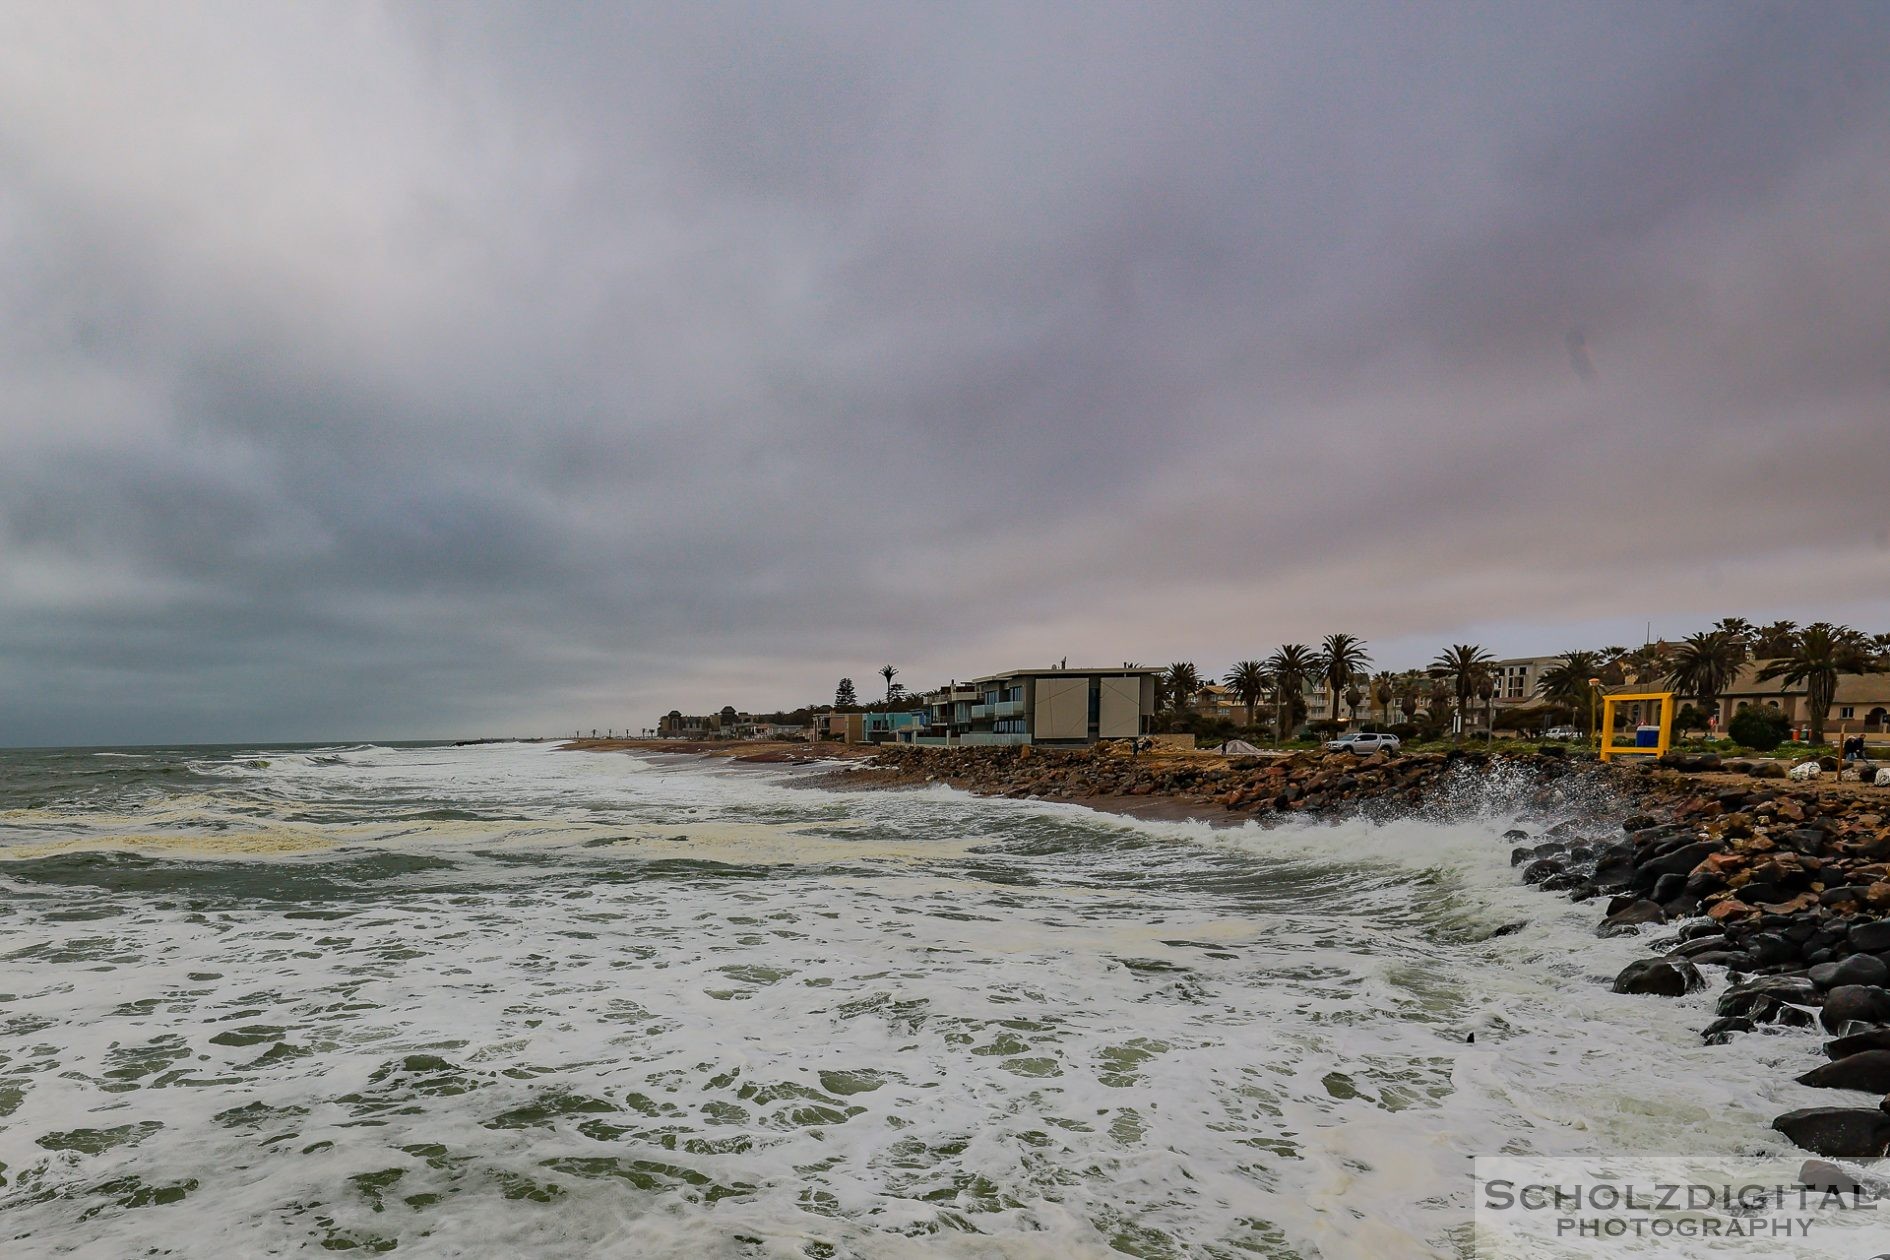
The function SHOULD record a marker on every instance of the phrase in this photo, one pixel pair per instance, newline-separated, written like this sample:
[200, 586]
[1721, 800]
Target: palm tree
[1383, 688]
[1410, 689]
[888, 672]
[1774, 640]
[1646, 663]
[1566, 681]
[1342, 658]
[1821, 652]
[1462, 666]
[1705, 665]
[1250, 682]
[1735, 627]
[1353, 698]
[1292, 667]
[1181, 682]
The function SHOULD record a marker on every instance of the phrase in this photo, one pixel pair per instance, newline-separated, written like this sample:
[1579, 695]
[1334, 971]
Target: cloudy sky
[413, 370]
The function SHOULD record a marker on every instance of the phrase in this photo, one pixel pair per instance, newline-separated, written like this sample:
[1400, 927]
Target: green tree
[1462, 666]
[1292, 667]
[1410, 692]
[1759, 727]
[844, 697]
[1646, 664]
[1705, 664]
[1383, 689]
[1342, 658]
[1775, 640]
[1181, 683]
[1566, 682]
[1251, 682]
[1819, 654]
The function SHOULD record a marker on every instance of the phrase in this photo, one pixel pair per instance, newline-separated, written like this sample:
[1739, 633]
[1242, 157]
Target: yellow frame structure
[1609, 749]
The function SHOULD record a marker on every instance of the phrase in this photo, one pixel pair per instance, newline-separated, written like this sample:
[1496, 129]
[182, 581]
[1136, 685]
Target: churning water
[506, 1000]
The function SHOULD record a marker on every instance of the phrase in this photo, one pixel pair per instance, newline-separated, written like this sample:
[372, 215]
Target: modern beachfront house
[872, 728]
[1059, 705]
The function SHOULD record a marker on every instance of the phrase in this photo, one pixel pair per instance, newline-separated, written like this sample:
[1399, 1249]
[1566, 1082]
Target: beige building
[1516, 678]
[1062, 705]
[1861, 703]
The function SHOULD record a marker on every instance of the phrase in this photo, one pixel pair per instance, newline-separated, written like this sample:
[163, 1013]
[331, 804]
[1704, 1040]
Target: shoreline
[1783, 885]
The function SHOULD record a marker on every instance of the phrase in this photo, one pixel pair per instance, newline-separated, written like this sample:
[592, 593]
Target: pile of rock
[1787, 887]
[1305, 782]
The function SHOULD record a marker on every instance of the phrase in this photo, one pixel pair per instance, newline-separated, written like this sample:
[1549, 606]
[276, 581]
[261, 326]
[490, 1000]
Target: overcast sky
[403, 371]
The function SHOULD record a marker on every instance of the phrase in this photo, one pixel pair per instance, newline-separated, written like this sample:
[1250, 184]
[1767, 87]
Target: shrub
[1758, 728]
[1405, 731]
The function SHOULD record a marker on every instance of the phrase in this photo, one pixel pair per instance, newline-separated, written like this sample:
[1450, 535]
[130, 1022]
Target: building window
[1847, 711]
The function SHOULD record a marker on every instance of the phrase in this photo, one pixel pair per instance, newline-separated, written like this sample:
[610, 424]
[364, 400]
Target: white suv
[1364, 743]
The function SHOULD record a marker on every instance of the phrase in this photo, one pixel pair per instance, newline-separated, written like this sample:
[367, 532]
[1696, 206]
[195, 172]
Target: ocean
[506, 1000]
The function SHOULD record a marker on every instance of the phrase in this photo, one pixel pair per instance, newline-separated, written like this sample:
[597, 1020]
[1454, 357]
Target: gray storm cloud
[435, 370]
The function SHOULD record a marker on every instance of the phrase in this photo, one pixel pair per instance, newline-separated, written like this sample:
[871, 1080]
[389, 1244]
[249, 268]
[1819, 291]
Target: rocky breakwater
[1785, 884]
[1211, 787]
[1782, 883]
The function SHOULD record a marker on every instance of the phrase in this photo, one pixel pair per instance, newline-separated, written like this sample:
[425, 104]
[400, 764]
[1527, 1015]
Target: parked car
[1364, 743]
[1561, 733]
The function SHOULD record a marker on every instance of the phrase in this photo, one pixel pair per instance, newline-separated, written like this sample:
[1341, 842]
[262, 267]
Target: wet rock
[1854, 1004]
[1857, 1043]
[1663, 977]
[1540, 869]
[1870, 938]
[1766, 993]
[1845, 899]
[1862, 969]
[1839, 1132]
[1631, 916]
[1692, 946]
[1867, 1070]
[1816, 1174]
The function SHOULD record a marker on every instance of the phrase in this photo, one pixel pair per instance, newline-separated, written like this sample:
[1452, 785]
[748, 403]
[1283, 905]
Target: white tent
[1238, 748]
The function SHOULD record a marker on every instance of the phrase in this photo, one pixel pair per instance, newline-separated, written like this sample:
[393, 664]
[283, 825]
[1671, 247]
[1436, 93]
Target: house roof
[1851, 688]
[1073, 670]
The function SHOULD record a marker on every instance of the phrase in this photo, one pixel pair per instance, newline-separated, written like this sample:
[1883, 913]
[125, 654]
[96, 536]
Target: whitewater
[510, 1000]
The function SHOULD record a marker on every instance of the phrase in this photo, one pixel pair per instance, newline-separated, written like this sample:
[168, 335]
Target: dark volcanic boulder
[1631, 916]
[1840, 1132]
[1863, 969]
[1666, 977]
[1855, 1003]
[1829, 1178]
[1541, 869]
[1857, 1043]
[1762, 998]
[1870, 938]
[1679, 862]
[1868, 1070]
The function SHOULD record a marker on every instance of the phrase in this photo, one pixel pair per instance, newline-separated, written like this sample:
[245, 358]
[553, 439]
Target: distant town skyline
[428, 370]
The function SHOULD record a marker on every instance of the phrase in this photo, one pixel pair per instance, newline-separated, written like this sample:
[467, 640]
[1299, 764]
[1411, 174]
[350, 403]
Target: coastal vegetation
[1299, 694]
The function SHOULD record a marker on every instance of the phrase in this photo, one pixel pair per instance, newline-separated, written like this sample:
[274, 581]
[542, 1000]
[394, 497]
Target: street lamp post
[1594, 689]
